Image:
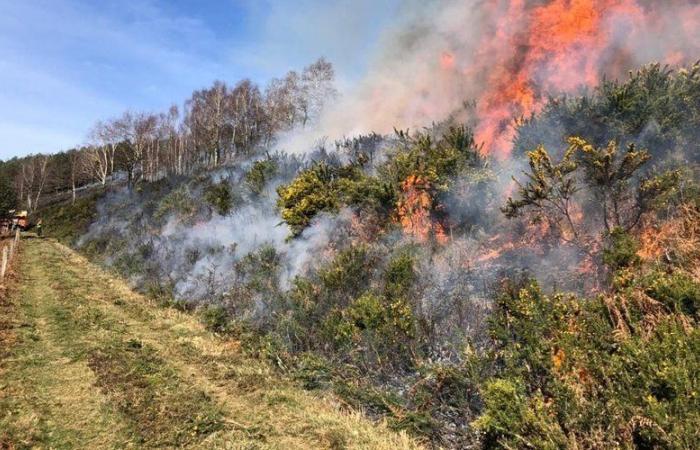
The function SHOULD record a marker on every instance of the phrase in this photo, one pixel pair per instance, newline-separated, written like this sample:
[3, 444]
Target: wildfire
[553, 46]
[675, 240]
[447, 60]
[415, 211]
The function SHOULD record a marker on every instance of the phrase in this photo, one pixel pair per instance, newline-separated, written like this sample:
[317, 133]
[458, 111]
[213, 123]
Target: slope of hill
[92, 364]
[415, 280]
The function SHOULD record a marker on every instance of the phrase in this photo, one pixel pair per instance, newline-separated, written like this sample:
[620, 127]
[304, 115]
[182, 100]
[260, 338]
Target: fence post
[3, 268]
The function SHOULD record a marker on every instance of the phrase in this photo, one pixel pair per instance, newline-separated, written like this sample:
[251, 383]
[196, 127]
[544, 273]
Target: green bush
[179, 202]
[678, 291]
[511, 419]
[562, 373]
[399, 276]
[219, 197]
[347, 276]
[621, 251]
[215, 318]
[67, 222]
[312, 370]
[313, 191]
[655, 94]
[260, 174]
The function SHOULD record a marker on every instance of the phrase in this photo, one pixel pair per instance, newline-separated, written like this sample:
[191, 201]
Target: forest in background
[216, 125]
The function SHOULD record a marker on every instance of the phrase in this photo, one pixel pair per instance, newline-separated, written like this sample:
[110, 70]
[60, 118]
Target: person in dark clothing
[39, 230]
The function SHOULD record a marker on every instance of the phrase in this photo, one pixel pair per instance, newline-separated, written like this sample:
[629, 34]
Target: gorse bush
[566, 372]
[179, 202]
[326, 188]
[658, 108]
[220, 197]
[260, 174]
[436, 162]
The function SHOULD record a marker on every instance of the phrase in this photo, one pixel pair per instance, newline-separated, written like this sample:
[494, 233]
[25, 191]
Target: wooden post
[3, 267]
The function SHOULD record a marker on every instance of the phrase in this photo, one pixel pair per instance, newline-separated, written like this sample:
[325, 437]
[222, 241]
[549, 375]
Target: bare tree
[316, 89]
[135, 132]
[76, 161]
[206, 119]
[244, 116]
[281, 98]
[34, 174]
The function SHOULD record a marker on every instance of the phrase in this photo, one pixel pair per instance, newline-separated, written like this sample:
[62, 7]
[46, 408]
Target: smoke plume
[507, 56]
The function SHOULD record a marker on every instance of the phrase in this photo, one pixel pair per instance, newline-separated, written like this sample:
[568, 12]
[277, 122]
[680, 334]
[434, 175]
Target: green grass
[160, 407]
[87, 363]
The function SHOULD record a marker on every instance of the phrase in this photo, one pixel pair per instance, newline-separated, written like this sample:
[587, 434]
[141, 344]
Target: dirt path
[90, 364]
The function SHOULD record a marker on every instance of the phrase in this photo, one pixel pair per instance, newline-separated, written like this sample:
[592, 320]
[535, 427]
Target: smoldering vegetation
[381, 266]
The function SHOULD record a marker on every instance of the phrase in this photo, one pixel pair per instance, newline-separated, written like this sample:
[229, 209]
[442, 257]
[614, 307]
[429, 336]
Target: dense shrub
[215, 318]
[678, 291]
[179, 202]
[656, 107]
[563, 373]
[260, 175]
[621, 250]
[219, 197]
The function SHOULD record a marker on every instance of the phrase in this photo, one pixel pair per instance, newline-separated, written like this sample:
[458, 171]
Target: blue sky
[66, 63]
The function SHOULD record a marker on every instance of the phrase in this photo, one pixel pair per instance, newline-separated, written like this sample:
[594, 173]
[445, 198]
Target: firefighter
[39, 231]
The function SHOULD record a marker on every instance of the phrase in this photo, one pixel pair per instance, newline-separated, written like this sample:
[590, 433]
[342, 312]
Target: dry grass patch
[163, 409]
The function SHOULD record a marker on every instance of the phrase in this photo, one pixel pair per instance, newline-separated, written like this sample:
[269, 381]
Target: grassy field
[87, 363]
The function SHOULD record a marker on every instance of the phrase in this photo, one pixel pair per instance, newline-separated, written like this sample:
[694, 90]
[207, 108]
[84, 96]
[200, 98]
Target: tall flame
[556, 46]
[508, 56]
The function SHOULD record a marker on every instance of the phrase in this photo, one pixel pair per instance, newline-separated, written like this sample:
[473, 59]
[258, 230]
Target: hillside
[546, 300]
[91, 364]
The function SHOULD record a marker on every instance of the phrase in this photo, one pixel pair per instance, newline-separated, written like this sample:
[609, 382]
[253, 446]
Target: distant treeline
[216, 125]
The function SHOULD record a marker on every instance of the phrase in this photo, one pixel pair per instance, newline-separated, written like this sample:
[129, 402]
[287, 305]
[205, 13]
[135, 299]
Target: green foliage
[220, 197]
[67, 222]
[313, 370]
[8, 196]
[621, 251]
[338, 309]
[260, 174]
[604, 182]
[179, 202]
[563, 374]
[257, 287]
[525, 324]
[313, 191]
[368, 313]
[347, 276]
[550, 187]
[326, 188]
[678, 291]
[514, 420]
[435, 160]
[215, 318]
[399, 276]
[657, 107]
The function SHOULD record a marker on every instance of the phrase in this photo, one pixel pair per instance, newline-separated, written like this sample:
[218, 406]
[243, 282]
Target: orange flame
[447, 60]
[415, 211]
[554, 46]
